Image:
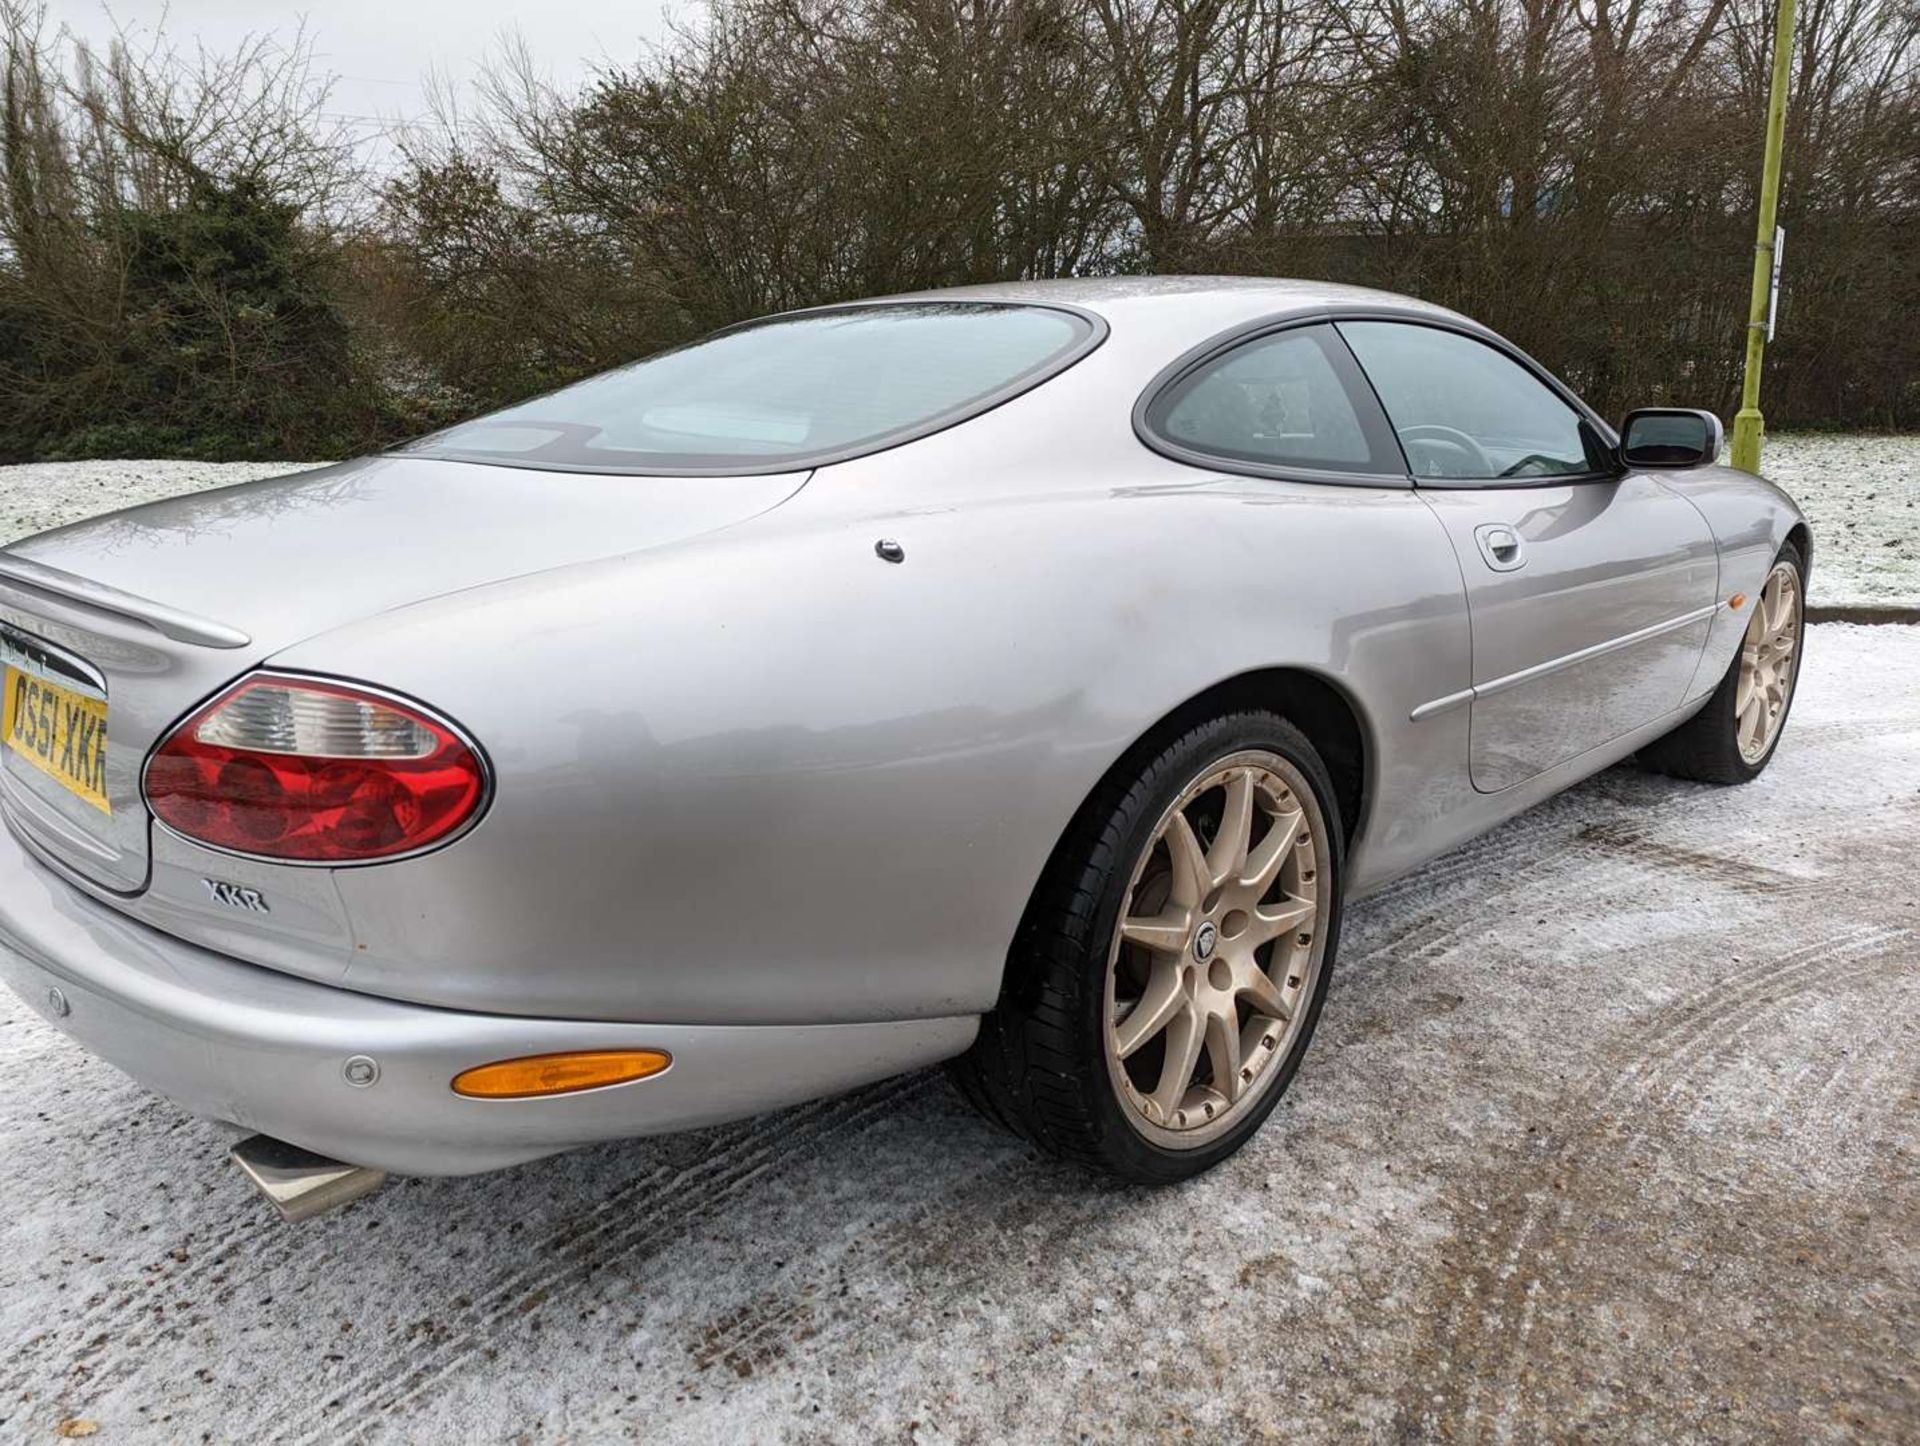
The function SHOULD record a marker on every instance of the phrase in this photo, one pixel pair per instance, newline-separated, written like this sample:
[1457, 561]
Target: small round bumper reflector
[536, 1075]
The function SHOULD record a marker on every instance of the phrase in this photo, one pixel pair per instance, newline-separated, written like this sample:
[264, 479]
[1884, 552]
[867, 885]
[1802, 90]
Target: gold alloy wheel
[1217, 950]
[1767, 663]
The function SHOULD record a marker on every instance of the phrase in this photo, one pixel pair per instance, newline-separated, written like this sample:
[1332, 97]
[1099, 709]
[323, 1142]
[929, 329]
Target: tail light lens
[296, 768]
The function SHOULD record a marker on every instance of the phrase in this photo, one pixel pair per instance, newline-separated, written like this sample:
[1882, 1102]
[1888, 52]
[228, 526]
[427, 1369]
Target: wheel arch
[1801, 537]
[1315, 704]
[1318, 706]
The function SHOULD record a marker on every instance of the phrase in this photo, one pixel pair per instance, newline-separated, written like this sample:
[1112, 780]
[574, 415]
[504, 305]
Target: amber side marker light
[558, 1074]
[1737, 601]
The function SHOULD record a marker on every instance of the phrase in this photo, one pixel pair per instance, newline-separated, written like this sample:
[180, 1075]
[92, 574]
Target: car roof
[1162, 312]
[1117, 296]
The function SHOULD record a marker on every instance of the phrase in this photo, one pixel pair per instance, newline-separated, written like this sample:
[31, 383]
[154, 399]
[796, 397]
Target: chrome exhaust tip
[298, 1183]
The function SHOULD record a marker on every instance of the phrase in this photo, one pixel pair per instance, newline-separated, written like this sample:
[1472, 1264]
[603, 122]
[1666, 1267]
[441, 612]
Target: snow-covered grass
[40, 495]
[1860, 492]
[1861, 495]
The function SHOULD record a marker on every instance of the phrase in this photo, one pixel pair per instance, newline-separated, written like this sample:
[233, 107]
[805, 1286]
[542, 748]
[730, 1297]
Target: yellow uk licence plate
[61, 732]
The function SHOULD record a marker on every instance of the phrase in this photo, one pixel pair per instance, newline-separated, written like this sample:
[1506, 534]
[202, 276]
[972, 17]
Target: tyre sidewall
[1730, 685]
[1130, 1153]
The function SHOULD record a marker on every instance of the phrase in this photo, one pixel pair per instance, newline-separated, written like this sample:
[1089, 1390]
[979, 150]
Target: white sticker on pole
[1773, 292]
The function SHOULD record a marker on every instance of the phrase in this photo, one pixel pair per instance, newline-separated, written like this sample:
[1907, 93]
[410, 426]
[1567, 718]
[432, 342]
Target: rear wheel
[1732, 739]
[1173, 961]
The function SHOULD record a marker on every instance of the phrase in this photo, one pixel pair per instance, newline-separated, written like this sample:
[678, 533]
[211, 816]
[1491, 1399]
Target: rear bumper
[267, 1053]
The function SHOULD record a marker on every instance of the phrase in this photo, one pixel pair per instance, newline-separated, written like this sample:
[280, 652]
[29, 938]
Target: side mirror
[1670, 437]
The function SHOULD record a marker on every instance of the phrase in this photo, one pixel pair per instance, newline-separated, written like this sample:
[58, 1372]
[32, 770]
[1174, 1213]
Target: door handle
[1501, 546]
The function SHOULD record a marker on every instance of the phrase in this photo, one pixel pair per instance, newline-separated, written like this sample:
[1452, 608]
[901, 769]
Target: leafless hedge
[1580, 174]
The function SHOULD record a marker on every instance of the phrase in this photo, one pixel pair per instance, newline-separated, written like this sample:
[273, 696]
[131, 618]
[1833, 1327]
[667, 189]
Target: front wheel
[1173, 961]
[1733, 738]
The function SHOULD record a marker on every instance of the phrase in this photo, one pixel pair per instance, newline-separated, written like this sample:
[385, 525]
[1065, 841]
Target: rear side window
[1283, 401]
[788, 392]
[1465, 410]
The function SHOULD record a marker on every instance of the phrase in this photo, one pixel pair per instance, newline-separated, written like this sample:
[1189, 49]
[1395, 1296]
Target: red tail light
[293, 768]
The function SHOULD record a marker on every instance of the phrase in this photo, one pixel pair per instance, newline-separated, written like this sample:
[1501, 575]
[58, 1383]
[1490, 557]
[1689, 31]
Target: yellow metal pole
[1748, 425]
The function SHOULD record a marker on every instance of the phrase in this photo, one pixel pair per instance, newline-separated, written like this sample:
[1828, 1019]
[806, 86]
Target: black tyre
[1733, 738]
[1172, 963]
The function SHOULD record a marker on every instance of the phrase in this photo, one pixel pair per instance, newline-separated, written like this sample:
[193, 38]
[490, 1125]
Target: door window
[1464, 410]
[1285, 400]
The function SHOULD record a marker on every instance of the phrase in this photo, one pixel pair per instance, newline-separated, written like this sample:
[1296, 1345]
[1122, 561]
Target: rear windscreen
[788, 392]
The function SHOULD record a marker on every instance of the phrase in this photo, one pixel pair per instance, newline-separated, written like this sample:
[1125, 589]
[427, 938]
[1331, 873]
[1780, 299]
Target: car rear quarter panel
[768, 777]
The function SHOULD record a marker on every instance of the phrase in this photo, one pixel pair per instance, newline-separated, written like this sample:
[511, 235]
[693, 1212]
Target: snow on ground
[1860, 492]
[40, 495]
[1861, 495]
[1611, 1130]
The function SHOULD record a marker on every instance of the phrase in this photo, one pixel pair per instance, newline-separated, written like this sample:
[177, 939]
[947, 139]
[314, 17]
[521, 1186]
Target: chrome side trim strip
[1553, 665]
[1441, 705]
[1597, 650]
[182, 627]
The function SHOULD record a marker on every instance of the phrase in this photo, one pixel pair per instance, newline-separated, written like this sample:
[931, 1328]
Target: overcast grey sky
[381, 50]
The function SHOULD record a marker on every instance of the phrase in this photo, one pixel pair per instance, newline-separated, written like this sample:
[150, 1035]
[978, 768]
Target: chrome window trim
[1370, 404]
[1366, 407]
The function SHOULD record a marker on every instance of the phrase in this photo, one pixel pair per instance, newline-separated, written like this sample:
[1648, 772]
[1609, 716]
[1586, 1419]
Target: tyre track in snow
[1574, 857]
[259, 1247]
[1537, 1259]
[945, 1234]
[1634, 1083]
[629, 1224]
[1420, 916]
[253, 1243]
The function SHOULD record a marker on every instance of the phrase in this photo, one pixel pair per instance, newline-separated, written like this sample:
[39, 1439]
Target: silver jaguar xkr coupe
[1019, 676]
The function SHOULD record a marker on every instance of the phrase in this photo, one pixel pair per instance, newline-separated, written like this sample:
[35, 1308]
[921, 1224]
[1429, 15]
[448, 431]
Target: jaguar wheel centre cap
[1203, 941]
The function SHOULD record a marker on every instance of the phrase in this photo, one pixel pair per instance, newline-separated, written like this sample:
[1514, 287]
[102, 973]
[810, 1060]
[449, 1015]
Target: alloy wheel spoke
[1163, 933]
[1190, 876]
[1259, 990]
[1176, 1071]
[1270, 921]
[1229, 852]
[1156, 1008]
[1266, 860]
[1223, 1054]
[1777, 604]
